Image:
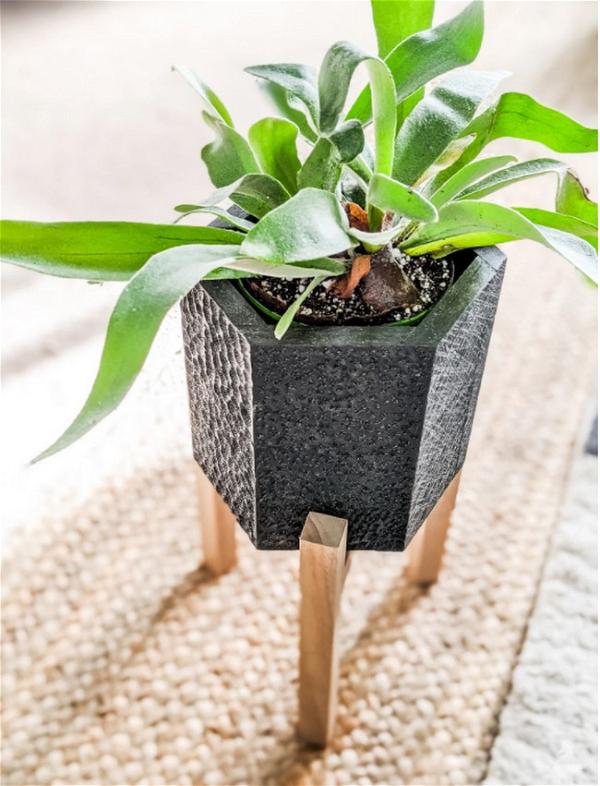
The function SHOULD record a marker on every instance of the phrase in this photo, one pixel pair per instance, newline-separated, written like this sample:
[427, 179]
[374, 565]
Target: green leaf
[349, 138]
[210, 99]
[288, 317]
[229, 156]
[273, 141]
[519, 116]
[323, 167]
[572, 199]
[438, 119]
[468, 224]
[308, 269]
[566, 223]
[297, 79]
[388, 194]
[256, 194]
[311, 224]
[338, 66]
[215, 210]
[98, 250]
[140, 309]
[284, 102]
[395, 20]
[425, 55]
[511, 174]
[467, 175]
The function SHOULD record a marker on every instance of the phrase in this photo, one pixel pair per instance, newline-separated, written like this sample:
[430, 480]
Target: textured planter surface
[367, 423]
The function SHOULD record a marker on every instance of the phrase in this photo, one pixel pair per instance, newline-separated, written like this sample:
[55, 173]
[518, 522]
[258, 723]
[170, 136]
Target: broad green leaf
[214, 210]
[438, 120]
[339, 64]
[349, 138]
[297, 79]
[388, 194]
[212, 102]
[311, 224]
[519, 116]
[140, 309]
[288, 317]
[565, 223]
[309, 269]
[285, 104]
[468, 224]
[229, 157]
[273, 141]
[322, 168]
[467, 175]
[425, 55]
[395, 20]
[375, 240]
[98, 250]
[572, 199]
[256, 194]
[511, 174]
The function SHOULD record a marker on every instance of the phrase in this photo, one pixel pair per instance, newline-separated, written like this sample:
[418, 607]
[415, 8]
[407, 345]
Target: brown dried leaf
[345, 285]
[357, 217]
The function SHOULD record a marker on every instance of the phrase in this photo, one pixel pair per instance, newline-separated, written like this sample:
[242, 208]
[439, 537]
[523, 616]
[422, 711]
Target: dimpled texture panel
[339, 434]
[217, 357]
[451, 401]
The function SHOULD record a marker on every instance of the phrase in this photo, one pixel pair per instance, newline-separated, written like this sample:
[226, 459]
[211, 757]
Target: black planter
[366, 423]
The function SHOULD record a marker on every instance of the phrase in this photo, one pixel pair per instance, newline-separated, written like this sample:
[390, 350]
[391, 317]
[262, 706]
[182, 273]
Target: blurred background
[100, 540]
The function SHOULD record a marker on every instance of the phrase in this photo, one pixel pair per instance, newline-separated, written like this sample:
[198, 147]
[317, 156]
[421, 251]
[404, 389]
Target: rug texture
[548, 728]
[124, 662]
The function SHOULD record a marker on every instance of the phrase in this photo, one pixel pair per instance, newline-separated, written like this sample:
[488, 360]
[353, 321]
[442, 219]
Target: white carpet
[548, 728]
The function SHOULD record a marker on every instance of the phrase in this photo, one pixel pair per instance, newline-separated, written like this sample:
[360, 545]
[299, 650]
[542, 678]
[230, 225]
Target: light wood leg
[218, 528]
[426, 549]
[323, 569]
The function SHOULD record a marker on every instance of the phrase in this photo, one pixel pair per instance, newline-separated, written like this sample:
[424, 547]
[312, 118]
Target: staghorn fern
[424, 175]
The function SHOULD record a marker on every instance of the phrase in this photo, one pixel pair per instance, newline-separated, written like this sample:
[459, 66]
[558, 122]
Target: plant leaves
[229, 157]
[308, 269]
[273, 141]
[425, 55]
[572, 199]
[288, 316]
[565, 223]
[339, 64]
[519, 116]
[467, 175]
[395, 20]
[297, 79]
[322, 168]
[284, 102]
[140, 309]
[349, 138]
[210, 99]
[438, 119]
[220, 212]
[511, 174]
[311, 224]
[469, 223]
[256, 194]
[98, 250]
[388, 194]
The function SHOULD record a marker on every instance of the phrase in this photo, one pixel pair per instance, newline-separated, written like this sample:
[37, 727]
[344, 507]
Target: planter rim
[482, 265]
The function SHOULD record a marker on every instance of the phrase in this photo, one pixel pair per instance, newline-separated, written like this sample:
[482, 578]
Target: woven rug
[124, 662]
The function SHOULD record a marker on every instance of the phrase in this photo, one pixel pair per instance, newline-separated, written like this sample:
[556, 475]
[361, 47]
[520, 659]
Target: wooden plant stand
[324, 565]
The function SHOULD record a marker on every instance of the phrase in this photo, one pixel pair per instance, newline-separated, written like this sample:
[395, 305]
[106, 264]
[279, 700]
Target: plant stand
[324, 565]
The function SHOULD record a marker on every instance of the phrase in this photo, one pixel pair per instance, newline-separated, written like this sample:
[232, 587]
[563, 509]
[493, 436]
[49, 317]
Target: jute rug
[125, 663]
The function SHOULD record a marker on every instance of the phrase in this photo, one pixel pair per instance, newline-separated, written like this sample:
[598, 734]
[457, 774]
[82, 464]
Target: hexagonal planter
[366, 423]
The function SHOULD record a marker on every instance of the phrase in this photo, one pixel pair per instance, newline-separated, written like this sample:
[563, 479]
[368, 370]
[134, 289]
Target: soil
[396, 288]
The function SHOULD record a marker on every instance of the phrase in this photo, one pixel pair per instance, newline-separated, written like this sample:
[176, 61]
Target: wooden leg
[427, 547]
[323, 569]
[218, 528]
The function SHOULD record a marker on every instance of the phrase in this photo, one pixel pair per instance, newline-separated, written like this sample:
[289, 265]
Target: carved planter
[366, 423]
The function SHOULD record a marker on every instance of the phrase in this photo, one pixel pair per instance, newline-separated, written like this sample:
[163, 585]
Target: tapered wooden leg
[218, 528]
[323, 569]
[426, 549]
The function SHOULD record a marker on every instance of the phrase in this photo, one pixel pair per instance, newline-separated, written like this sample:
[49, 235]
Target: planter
[366, 423]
